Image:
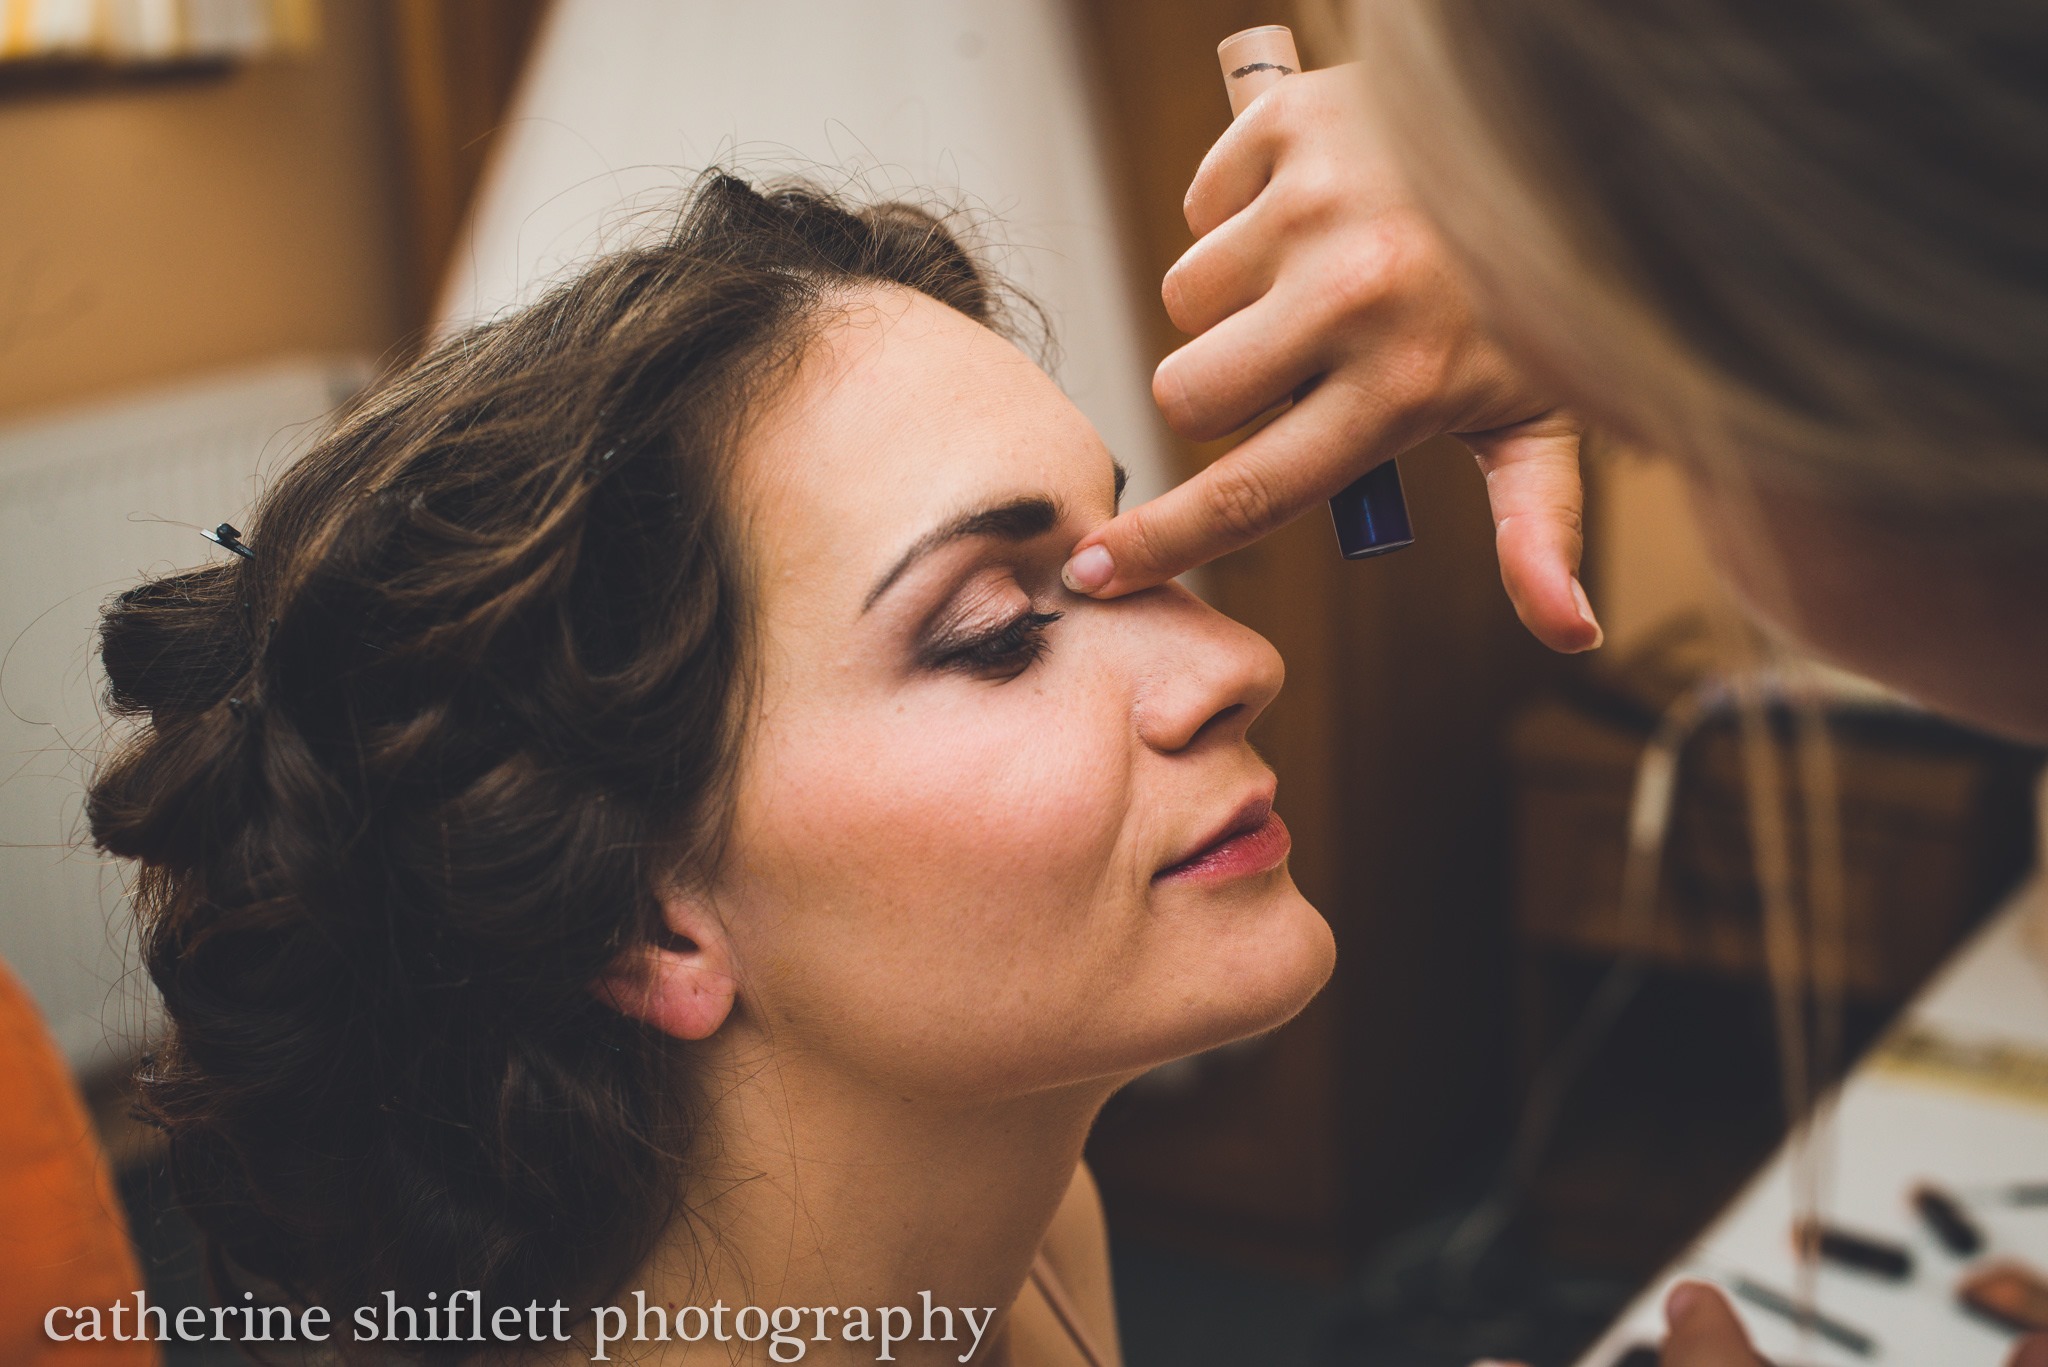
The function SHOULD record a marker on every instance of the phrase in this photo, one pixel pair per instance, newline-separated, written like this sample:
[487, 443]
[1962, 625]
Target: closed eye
[1006, 652]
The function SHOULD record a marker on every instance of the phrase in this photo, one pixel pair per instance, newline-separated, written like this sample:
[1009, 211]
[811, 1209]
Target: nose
[1207, 679]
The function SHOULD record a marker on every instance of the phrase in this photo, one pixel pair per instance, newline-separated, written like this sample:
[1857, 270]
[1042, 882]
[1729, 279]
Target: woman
[646, 817]
[1801, 249]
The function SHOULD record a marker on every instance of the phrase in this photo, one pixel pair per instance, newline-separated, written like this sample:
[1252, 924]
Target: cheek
[893, 855]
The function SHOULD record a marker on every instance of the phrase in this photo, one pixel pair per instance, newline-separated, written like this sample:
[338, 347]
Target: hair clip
[226, 535]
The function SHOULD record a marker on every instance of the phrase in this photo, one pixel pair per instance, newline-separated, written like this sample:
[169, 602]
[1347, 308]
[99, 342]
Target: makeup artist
[1802, 250]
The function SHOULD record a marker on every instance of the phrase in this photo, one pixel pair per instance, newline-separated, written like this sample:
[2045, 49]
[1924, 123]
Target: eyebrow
[1017, 519]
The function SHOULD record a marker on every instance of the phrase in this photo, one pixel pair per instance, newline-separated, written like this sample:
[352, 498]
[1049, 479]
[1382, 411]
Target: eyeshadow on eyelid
[969, 607]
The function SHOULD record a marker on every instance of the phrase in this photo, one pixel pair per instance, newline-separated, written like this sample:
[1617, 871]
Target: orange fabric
[63, 1238]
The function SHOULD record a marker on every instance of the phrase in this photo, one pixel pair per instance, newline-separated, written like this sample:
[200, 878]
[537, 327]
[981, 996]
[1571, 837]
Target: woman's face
[989, 837]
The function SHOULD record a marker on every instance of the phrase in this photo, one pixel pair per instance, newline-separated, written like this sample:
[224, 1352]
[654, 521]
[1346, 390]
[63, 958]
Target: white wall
[986, 99]
[91, 502]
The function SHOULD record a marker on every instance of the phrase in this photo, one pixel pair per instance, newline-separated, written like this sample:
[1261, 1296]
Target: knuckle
[1242, 500]
[1429, 373]
[1170, 296]
[1309, 198]
[1357, 281]
[1139, 552]
[1266, 117]
[1323, 186]
[1170, 393]
[1411, 379]
[1288, 105]
[1176, 293]
[1426, 374]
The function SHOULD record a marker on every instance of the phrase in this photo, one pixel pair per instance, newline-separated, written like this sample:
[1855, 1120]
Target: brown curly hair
[412, 776]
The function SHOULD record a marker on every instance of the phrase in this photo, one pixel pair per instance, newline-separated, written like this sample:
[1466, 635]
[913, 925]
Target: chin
[1258, 980]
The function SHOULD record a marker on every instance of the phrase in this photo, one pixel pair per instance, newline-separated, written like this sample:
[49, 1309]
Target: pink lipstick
[1255, 841]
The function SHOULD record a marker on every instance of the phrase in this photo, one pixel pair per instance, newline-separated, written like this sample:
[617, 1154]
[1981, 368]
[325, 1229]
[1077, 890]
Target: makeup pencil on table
[1842, 1335]
[1846, 1248]
[1950, 1223]
[1371, 512]
[1873, 1256]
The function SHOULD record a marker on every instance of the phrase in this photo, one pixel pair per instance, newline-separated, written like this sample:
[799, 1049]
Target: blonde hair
[1802, 243]
[1799, 244]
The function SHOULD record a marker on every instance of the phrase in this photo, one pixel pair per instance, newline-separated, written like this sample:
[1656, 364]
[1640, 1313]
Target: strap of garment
[1049, 1286]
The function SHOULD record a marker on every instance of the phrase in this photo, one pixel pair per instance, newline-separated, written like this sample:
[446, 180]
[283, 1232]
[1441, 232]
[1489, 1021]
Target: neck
[814, 1190]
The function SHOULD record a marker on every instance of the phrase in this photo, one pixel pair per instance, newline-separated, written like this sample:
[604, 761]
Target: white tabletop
[1891, 1130]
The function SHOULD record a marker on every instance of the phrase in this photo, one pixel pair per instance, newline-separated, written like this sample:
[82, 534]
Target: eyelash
[1010, 649]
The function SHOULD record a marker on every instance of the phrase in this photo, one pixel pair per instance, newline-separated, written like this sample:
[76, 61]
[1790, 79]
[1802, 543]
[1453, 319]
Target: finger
[1704, 1330]
[2032, 1352]
[1533, 484]
[1229, 270]
[1238, 369]
[1234, 170]
[1289, 466]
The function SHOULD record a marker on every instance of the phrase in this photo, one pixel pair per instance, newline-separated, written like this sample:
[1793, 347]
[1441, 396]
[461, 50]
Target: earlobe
[683, 987]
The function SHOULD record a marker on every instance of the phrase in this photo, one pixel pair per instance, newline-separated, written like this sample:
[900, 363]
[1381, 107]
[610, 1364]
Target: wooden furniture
[1934, 827]
[1679, 1095]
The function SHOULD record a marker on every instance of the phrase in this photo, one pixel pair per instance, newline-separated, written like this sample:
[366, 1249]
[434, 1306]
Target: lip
[1254, 840]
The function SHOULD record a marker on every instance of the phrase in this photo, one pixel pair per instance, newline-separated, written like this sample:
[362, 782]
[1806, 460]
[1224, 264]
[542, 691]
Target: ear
[682, 986]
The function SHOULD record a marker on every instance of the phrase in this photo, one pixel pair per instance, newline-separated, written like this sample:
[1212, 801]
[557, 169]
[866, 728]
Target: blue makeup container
[1371, 514]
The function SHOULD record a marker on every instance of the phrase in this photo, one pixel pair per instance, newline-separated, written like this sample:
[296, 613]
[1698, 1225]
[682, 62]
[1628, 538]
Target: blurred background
[222, 216]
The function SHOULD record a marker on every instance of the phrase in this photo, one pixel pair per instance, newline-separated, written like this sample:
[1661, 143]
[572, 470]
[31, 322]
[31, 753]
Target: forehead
[904, 412]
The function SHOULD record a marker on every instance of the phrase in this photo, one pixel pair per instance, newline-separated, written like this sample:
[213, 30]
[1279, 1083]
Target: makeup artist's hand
[1313, 277]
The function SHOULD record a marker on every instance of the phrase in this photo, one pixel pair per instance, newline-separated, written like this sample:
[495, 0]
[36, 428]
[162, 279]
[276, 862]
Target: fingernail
[1089, 570]
[1586, 613]
[1683, 1300]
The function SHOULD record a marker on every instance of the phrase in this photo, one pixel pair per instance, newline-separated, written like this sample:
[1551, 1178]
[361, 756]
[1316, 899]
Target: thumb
[1532, 482]
[1704, 1330]
[2032, 1352]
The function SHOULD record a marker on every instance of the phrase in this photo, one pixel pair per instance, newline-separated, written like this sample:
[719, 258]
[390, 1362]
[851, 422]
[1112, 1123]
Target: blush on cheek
[955, 805]
[1008, 810]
